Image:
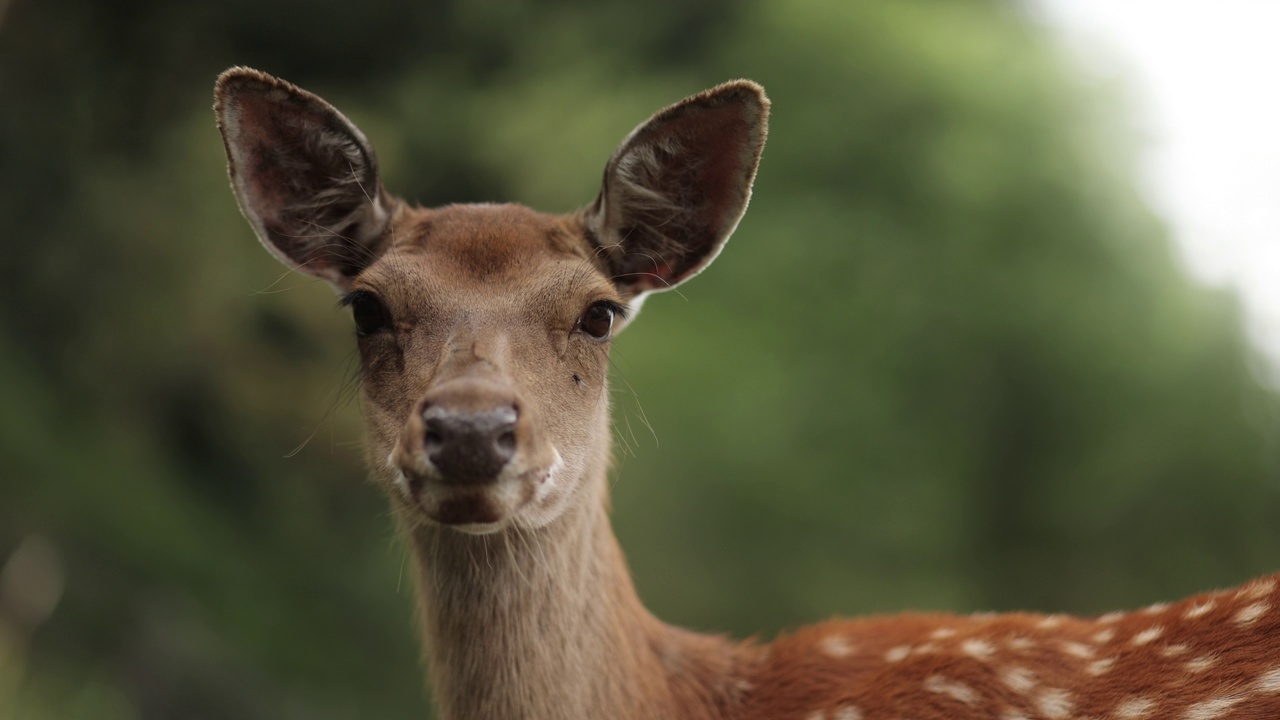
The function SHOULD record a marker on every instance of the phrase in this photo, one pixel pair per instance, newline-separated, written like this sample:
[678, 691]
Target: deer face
[484, 337]
[484, 330]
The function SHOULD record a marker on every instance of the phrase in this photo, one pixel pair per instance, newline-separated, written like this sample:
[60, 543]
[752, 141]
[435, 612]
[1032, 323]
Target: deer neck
[546, 624]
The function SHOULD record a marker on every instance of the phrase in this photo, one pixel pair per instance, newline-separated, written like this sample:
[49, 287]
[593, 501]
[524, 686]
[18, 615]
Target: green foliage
[948, 361]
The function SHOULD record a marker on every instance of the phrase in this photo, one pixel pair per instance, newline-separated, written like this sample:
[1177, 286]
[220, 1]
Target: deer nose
[468, 446]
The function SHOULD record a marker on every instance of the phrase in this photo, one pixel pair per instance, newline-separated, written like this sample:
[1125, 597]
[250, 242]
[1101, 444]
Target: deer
[484, 334]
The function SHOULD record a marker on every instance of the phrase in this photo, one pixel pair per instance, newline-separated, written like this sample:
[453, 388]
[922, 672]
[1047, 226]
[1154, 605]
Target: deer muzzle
[469, 455]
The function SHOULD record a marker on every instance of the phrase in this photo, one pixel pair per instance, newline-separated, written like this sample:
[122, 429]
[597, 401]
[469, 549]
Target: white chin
[480, 528]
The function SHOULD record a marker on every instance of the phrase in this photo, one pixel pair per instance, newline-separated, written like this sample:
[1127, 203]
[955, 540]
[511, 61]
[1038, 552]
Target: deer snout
[469, 446]
[471, 455]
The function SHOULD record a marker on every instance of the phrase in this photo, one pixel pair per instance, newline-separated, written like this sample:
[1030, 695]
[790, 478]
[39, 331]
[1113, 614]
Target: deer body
[484, 334]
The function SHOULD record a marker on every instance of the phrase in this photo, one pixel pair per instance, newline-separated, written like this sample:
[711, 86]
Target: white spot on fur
[1052, 621]
[1199, 609]
[546, 487]
[1079, 650]
[942, 633]
[1110, 617]
[1054, 704]
[1100, 667]
[1104, 636]
[399, 480]
[976, 648]
[1148, 635]
[1155, 609]
[1020, 643]
[1269, 682]
[837, 646]
[897, 653]
[1019, 679]
[402, 484]
[848, 712]
[955, 690]
[925, 649]
[1201, 663]
[1211, 708]
[1250, 613]
[1258, 589]
[1173, 650]
[817, 715]
[1134, 708]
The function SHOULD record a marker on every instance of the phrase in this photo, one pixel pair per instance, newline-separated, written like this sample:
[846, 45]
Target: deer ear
[675, 189]
[305, 177]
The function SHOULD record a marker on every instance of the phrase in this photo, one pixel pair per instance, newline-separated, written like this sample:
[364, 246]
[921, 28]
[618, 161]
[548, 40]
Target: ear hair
[676, 187]
[305, 177]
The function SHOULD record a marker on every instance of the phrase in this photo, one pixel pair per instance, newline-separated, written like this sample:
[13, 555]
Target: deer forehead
[490, 241]
[478, 258]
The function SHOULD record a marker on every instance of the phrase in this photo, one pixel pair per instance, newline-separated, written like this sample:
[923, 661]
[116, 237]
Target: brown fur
[1204, 657]
[526, 606]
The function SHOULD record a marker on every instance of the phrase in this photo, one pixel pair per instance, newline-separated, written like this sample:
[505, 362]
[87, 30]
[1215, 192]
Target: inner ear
[675, 189]
[305, 177]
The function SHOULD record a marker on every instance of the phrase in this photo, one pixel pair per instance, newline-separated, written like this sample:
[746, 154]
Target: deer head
[484, 330]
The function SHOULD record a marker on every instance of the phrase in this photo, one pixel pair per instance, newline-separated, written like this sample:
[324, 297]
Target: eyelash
[619, 311]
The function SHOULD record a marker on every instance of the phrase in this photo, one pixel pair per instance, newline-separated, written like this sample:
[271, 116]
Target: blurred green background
[949, 360]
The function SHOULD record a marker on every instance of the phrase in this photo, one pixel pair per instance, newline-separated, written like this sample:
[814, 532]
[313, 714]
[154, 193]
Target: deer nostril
[432, 441]
[507, 442]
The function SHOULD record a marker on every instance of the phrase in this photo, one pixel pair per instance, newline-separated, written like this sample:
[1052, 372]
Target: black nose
[468, 446]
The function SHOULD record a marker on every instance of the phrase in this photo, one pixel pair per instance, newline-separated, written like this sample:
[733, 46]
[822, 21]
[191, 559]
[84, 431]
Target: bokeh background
[949, 360]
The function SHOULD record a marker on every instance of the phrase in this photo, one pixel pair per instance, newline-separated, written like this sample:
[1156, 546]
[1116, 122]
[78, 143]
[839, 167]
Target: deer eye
[597, 321]
[368, 312]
